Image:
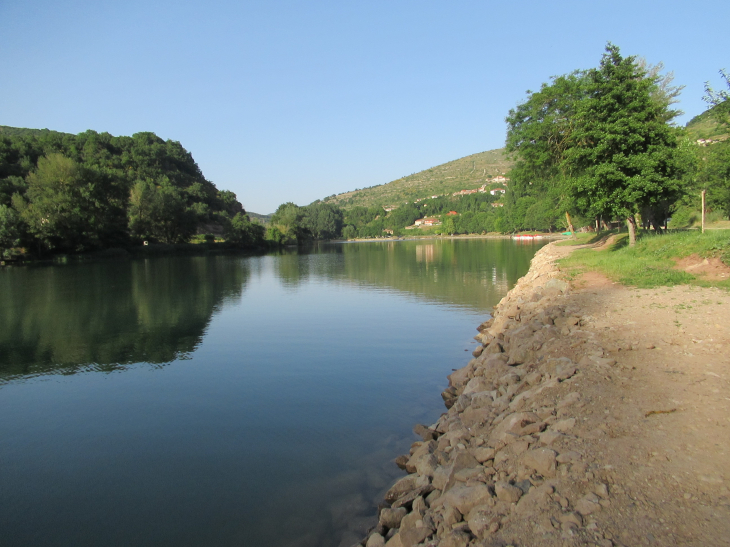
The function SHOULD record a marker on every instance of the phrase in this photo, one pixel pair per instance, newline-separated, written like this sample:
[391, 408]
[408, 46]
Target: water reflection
[473, 274]
[105, 315]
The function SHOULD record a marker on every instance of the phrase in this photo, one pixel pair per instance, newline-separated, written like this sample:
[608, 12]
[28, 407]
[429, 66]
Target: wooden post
[703, 210]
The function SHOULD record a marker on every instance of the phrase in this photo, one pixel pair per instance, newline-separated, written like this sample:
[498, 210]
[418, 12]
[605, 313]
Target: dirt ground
[658, 421]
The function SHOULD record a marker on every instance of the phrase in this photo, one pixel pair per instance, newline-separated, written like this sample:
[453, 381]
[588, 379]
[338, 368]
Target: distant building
[497, 204]
[497, 191]
[451, 213]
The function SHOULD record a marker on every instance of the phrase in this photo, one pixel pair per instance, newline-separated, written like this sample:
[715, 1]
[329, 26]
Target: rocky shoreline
[522, 456]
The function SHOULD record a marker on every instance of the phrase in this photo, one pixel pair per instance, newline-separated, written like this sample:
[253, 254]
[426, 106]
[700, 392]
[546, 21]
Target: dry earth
[592, 414]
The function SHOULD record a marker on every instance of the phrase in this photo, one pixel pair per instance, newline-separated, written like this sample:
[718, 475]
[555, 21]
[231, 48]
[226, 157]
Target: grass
[650, 263]
[466, 173]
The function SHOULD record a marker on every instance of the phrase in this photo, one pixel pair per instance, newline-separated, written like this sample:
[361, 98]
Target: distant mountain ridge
[466, 173]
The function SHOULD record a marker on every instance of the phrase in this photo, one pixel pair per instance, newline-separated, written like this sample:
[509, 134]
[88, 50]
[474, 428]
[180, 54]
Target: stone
[533, 378]
[495, 346]
[542, 460]
[587, 505]
[477, 351]
[451, 515]
[563, 426]
[476, 385]
[455, 538]
[424, 432]
[568, 457]
[481, 520]
[413, 494]
[569, 399]
[573, 518]
[556, 285]
[601, 490]
[394, 541]
[506, 492]
[391, 518]
[465, 498]
[405, 485]
[460, 461]
[483, 454]
[512, 424]
[375, 540]
[518, 355]
[566, 371]
[402, 460]
[414, 536]
[549, 437]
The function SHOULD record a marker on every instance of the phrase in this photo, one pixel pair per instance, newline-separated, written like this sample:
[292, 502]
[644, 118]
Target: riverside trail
[591, 414]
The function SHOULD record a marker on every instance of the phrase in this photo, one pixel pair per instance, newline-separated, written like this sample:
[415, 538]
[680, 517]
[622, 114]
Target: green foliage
[242, 232]
[650, 263]
[93, 190]
[11, 229]
[74, 208]
[719, 100]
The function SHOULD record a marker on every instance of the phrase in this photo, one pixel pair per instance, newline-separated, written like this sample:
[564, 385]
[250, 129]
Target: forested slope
[66, 193]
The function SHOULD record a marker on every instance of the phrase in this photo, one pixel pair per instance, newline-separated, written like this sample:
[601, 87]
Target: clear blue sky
[294, 101]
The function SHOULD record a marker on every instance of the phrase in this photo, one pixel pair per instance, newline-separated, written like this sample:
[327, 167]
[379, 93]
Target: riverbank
[591, 414]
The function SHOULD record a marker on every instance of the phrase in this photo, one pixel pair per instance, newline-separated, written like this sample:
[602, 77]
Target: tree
[719, 101]
[10, 229]
[622, 152]
[241, 231]
[158, 211]
[71, 207]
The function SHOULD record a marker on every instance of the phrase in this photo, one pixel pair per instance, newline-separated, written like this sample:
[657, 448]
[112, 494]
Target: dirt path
[666, 410]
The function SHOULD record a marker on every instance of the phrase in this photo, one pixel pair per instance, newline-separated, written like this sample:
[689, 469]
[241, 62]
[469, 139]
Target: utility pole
[703, 210]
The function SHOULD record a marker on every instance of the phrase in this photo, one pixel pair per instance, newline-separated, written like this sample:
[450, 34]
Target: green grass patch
[650, 263]
[584, 239]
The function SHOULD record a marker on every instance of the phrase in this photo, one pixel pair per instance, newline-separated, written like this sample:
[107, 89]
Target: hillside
[7, 131]
[466, 173]
[705, 126]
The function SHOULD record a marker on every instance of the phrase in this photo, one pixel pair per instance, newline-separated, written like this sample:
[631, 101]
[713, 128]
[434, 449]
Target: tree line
[73, 193]
[600, 144]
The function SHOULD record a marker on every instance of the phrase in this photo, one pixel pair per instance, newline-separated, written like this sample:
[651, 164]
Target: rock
[401, 461]
[477, 351]
[509, 379]
[563, 425]
[394, 541]
[556, 285]
[375, 540]
[601, 490]
[495, 346]
[410, 496]
[419, 505]
[391, 518]
[476, 385]
[465, 498]
[512, 424]
[587, 505]
[542, 460]
[506, 492]
[569, 399]
[571, 518]
[549, 437]
[536, 500]
[481, 521]
[424, 432]
[462, 460]
[414, 536]
[518, 355]
[403, 486]
[455, 538]
[568, 457]
[566, 371]
[533, 378]
[451, 515]
[483, 454]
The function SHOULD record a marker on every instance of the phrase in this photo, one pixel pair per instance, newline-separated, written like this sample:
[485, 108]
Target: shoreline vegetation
[548, 427]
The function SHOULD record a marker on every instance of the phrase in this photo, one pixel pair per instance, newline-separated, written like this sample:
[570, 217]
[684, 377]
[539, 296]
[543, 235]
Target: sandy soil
[661, 417]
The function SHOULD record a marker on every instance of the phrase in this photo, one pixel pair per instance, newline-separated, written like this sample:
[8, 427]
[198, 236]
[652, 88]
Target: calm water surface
[227, 400]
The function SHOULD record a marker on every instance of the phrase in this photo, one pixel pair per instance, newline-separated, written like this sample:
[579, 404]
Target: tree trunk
[631, 224]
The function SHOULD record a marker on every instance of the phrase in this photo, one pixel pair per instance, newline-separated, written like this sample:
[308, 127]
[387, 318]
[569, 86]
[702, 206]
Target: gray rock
[569, 399]
[477, 351]
[587, 505]
[483, 454]
[481, 520]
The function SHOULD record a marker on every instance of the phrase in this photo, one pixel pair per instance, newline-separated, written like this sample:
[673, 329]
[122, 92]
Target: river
[229, 400]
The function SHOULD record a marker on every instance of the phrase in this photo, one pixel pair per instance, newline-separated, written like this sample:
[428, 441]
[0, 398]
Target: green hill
[705, 126]
[466, 173]
[7, 131]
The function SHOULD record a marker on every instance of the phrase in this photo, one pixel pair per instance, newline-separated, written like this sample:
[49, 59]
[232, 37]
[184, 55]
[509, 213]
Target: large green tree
[622, 150]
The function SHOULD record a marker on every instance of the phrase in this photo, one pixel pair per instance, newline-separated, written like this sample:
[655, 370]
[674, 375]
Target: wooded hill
[466, 173]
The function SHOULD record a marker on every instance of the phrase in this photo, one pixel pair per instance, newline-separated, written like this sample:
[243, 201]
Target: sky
[294, 101]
